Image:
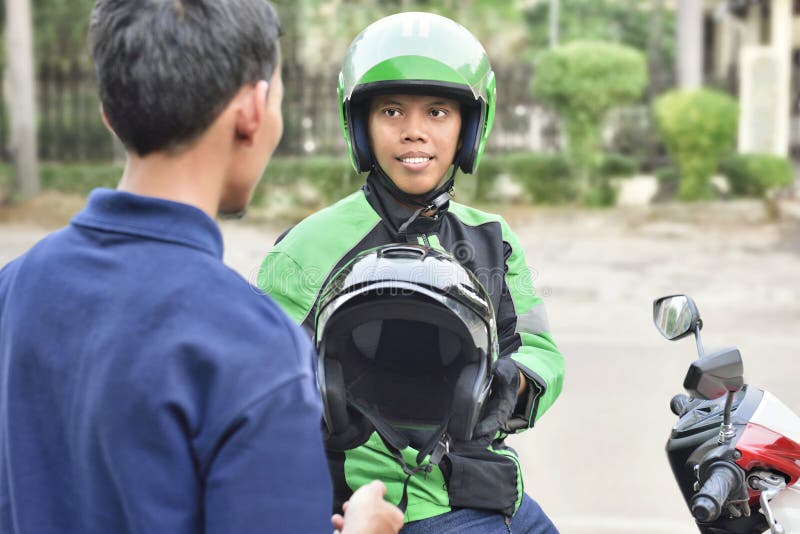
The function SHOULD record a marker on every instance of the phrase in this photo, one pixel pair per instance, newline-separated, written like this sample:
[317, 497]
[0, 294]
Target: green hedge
[699, 129]
[67, 178]
[77, 178]
[754, 174]
[332, 177]
[548, 179]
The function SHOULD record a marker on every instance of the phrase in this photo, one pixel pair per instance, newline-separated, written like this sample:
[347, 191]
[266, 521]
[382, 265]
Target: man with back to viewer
[144, 386]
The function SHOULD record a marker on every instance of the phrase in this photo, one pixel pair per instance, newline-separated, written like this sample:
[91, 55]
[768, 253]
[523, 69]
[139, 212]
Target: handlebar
[679, 404]
[724, 477]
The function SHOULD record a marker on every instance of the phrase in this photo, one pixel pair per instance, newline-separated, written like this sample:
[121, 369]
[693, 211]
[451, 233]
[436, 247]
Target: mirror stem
[726, 432]
[699, 341]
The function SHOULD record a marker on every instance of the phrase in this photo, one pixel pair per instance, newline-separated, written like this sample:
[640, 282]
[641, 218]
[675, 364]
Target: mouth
[415, 161]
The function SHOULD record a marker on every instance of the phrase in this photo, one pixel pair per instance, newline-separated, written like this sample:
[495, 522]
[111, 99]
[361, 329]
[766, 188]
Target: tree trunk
[22, 98]
[554, 16]
[655, 61]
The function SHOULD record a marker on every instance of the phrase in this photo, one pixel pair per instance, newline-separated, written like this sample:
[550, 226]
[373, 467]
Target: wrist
[523, 384]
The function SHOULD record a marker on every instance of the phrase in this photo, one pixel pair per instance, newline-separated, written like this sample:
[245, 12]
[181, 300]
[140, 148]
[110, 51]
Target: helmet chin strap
[432, 200]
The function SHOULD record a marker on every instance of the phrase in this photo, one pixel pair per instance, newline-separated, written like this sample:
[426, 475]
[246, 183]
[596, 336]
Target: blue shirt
[146, 387]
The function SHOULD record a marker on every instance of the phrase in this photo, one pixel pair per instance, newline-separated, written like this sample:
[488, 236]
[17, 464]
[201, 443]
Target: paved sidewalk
[596, 461]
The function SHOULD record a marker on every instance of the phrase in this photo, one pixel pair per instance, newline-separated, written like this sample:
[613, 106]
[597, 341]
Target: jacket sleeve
[288, 284]
[524, 335]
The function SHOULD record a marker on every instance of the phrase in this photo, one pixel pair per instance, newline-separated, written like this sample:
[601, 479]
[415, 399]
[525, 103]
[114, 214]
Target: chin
[417, 187]
[229, 208]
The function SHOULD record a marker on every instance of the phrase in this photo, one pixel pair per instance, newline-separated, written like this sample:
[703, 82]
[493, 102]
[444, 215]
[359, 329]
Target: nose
[414, 128]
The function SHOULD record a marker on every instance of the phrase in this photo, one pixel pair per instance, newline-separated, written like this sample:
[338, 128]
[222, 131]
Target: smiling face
[414, 139]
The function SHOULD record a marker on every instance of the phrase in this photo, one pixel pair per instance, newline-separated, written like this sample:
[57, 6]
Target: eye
[391, 112]
[438, 113]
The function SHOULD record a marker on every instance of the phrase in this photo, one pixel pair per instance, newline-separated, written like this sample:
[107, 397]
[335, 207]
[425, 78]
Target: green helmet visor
[473, 80]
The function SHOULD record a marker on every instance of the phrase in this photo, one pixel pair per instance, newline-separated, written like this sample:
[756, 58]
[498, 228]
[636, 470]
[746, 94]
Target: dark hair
[167, 68]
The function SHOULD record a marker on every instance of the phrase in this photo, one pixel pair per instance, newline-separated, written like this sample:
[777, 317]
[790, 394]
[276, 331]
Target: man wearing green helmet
[417, 101]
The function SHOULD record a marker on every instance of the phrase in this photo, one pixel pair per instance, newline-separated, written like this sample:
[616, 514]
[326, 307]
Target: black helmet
[406, 339]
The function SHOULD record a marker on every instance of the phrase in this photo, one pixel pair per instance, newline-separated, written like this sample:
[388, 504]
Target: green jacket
[305, 257]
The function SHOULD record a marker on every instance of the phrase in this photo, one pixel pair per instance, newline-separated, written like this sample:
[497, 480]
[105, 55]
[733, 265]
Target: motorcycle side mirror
[715, 375]
[676, 316]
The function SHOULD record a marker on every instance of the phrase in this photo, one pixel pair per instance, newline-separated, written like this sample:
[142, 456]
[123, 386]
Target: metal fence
[71, 129]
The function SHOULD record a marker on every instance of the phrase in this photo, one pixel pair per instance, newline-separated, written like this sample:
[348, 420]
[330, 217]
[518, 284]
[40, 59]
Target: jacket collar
[394, 214]
[153, 218]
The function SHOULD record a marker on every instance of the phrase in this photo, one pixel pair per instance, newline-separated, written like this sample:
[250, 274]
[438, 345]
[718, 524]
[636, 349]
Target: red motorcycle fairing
[770, 441]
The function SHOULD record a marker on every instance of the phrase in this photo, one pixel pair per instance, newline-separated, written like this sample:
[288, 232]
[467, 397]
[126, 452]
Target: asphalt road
[596, 460]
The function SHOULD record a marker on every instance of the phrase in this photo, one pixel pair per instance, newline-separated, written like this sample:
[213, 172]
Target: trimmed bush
[699, 129]
[486, 176]
[332, 177]
[548, 179]
[754, 174]
[618, 166]
[583, 80]
[668, 175]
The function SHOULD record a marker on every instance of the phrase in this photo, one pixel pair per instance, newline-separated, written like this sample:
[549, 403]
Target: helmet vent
[399, 252]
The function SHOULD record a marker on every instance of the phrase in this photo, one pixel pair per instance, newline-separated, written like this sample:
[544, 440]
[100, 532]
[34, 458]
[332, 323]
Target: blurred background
[640, 147]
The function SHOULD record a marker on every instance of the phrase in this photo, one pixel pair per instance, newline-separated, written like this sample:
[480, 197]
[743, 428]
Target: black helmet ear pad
[469, 395]
[472, 117]
[335, 398]
[357, 116]
[347, 429]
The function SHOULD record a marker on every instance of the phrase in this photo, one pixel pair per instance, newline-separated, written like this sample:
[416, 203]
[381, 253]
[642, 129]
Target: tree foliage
[323, 29]
[583, 80]
[627, 22]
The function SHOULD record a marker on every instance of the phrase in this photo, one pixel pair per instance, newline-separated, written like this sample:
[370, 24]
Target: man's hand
[367, 513]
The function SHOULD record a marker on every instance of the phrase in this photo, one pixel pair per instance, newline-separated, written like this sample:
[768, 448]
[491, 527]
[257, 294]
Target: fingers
[338, 522]
[396, 517]
[368, 513]
[375, 488]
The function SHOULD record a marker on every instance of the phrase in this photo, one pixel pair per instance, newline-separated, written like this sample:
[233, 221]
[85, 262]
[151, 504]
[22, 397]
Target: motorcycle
[735, 449]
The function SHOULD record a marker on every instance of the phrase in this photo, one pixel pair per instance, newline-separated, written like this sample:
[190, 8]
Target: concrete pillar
[690, 44]
[724, 43]
[765, 80]
[781, 43]
[751, 29]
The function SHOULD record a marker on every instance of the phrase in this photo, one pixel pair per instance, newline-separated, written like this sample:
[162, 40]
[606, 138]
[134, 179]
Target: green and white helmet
[417, 53]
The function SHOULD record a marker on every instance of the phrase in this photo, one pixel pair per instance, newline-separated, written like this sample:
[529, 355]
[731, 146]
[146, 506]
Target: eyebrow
[443, 103]
[390, 102]
[386, 102]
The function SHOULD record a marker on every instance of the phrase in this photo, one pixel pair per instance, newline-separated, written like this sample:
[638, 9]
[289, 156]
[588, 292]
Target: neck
[194, 176]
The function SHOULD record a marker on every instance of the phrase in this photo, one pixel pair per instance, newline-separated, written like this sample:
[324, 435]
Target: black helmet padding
[386, 353]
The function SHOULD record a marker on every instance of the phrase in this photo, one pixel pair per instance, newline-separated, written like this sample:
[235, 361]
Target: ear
[251, 111]
[106, 122]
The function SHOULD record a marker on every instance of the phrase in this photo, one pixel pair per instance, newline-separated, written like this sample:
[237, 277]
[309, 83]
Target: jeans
[529, 519]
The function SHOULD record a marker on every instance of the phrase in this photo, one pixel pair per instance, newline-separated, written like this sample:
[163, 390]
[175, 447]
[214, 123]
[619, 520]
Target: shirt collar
[121, 212]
